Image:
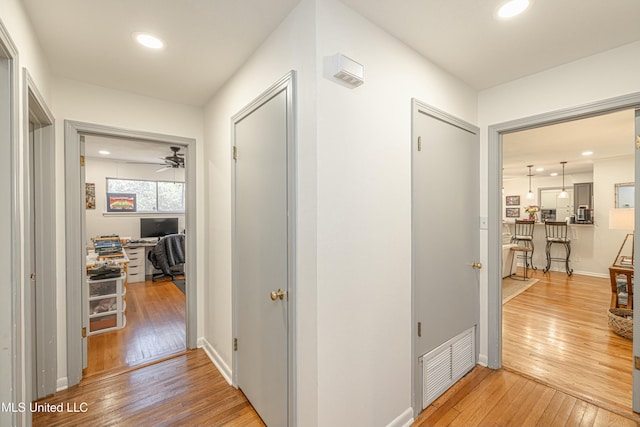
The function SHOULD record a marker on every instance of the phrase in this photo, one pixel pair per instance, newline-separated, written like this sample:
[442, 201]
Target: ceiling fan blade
[145, 163]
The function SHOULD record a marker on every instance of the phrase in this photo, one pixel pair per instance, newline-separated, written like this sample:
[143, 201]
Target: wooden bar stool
[523, 234]
[556, 232]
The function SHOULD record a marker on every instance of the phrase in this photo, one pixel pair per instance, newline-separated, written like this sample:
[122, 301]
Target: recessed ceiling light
[147, 40]
[540, 170]
[512, 8]
[587, 153]
[104, 152]
[554, 174]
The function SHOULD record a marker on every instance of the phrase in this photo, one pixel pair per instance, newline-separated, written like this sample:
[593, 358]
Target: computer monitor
[158, 227]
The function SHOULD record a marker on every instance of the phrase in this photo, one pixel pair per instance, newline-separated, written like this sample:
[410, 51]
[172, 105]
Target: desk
[614, 272]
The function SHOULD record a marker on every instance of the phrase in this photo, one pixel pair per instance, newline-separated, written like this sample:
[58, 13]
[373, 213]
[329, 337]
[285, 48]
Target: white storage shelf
[106, 304]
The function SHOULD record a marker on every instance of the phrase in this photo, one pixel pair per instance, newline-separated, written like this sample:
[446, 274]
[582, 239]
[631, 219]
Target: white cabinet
[136, 268]
[107, 304]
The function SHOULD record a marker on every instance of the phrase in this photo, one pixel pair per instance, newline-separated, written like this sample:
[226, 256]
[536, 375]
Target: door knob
[477, 265]
[277, 294]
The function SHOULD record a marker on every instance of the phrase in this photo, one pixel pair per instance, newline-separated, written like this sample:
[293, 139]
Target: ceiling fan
[175, 160]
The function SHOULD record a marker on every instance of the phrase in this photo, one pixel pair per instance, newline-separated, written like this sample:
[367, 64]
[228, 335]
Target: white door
[262, 245]
[445, 223]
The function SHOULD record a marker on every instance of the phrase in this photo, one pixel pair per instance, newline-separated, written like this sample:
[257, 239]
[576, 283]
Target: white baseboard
[62, 384]
[560, 269]
[224, 369]
[483, 360]
[403, 420]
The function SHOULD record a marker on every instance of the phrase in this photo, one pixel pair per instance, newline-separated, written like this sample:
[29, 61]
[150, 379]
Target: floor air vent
[445, 365]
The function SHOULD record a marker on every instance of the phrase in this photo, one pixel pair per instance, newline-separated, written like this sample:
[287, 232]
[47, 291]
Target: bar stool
[526, 251]
[523, 233]
[557, 233]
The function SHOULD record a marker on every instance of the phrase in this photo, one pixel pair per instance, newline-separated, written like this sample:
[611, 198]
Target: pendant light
[563, 194]
[530, 194]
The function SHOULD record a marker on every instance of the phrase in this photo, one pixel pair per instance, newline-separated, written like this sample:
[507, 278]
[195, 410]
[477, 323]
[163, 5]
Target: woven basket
[619, 322]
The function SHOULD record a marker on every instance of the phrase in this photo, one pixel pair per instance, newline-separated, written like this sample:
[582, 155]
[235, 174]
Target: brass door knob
[279, 294]
[477, 265]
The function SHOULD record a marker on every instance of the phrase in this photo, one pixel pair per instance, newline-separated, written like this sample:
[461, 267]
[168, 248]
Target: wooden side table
[614, 271]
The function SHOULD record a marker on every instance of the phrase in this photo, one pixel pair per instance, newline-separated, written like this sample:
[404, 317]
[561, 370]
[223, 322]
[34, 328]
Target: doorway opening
[79, 301]
[150, 324]
[556, 292]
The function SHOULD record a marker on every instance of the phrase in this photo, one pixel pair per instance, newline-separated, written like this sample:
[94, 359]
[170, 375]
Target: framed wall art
[513, 212]
[90, 190]
[513, 201]
[120, 202]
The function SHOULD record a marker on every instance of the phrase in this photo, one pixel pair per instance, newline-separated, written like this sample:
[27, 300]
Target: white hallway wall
[353, 269]
[364, 217]
[82, 102]
[602, 76]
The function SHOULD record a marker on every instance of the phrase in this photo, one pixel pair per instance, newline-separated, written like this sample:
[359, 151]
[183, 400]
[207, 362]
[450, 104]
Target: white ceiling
[608, 136]
[464, 37]
[127, 150]
[208, 40]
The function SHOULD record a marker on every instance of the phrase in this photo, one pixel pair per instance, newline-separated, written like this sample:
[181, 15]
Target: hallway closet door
[263, 253]
[446, 250]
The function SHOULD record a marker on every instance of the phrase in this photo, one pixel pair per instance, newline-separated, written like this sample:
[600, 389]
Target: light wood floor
[155, 330]
[562, 364]
[487, 397]
[557, 332]
[563, 367]
[186, 390]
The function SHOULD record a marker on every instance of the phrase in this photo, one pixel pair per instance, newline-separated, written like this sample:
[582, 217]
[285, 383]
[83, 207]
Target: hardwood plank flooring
[185, 390]
[563, 366]
[557, 333]
[487, 397]
[155, 330]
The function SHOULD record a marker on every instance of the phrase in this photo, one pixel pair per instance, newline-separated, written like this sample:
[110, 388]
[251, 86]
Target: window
[151, 196]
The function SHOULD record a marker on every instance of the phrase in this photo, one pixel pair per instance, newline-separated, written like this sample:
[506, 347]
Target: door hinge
[235, 344]
[419, 143]
[234, 152]
[636, 362]
[81, 161]
[84, 332]
[419, 329]
[638, 142]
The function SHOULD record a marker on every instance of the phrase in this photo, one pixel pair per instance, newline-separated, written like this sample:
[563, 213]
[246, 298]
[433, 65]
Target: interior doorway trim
[75, 252]
[494, 255]
[11, 313]
[40, 180]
